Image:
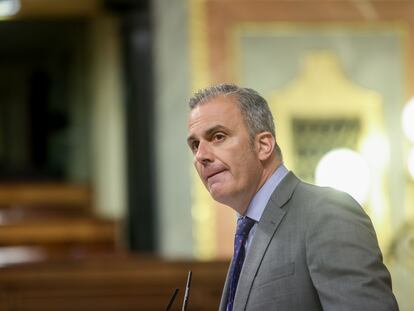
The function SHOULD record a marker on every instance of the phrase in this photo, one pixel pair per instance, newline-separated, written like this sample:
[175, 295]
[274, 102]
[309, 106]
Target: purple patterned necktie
[244, 224]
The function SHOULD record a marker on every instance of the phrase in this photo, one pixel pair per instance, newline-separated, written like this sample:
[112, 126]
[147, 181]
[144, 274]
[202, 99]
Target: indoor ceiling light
[9, 7]
[345, 170]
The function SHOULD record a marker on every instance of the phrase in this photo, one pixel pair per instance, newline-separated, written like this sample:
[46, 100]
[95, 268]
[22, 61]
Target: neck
[268, 169]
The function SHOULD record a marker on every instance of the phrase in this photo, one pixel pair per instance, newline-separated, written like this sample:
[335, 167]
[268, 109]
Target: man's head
[253, 107]
[231, 134]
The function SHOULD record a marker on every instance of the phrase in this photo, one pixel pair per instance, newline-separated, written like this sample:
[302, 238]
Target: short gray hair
[254, 108]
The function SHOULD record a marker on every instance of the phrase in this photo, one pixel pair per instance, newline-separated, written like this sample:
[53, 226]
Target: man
[297, 246]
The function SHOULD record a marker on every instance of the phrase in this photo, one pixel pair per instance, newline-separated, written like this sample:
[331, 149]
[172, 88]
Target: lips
[212, 172]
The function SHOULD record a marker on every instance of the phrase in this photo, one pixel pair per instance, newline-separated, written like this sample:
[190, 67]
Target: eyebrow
[209, 132]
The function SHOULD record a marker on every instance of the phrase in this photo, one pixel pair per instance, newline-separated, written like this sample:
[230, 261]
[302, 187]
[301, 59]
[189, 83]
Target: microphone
[187, 291]
[172, 299]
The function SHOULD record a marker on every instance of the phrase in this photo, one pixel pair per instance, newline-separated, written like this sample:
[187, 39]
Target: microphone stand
[187, 291]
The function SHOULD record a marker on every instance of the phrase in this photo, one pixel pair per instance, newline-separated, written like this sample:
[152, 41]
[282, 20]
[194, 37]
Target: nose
[204, 153]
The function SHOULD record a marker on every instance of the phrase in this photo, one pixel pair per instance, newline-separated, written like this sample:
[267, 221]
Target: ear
[265, 144]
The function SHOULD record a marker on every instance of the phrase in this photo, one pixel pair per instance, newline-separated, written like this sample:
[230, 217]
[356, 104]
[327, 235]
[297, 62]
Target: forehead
[216, 111]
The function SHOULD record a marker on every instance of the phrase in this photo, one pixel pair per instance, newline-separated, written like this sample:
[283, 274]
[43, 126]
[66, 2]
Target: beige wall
[172, 157]
[107, 119]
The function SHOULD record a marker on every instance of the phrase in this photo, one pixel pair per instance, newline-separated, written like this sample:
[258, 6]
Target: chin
[221, 196]
[217, 195]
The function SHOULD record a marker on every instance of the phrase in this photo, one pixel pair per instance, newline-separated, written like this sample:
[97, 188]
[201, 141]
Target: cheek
[248, 164]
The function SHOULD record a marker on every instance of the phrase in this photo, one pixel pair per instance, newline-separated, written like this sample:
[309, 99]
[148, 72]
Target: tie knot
[244, 224]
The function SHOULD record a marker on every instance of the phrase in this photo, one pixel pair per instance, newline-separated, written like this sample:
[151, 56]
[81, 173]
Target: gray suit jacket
[314, 249]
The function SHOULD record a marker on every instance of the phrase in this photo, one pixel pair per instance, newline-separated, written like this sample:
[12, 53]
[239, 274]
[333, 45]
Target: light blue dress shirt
[258, 203]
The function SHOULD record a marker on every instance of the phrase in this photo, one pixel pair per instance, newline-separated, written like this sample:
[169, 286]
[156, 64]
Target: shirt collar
[259, 201]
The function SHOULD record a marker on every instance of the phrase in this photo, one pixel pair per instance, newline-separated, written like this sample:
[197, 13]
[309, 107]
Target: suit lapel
[266, 228]
[223, 301]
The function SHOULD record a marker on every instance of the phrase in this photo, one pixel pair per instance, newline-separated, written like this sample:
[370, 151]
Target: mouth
[214, 174]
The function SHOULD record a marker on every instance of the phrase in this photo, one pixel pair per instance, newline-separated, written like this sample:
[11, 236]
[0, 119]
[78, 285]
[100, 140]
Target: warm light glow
[9, 7]
[408, 120]
[411, 163]
[345, 170]
[375, 149]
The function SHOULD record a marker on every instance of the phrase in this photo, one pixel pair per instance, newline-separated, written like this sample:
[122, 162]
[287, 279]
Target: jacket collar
[272, 216]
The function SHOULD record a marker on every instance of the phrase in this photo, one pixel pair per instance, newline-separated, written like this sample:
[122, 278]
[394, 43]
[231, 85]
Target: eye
[194, 146]
[219, 137]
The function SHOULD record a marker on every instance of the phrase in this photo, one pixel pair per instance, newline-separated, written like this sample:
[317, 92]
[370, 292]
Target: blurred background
[100, 208]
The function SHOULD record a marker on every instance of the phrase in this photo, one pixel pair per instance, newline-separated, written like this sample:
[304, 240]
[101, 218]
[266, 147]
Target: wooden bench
[110, 283]
[55, 219]
[43, 199]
